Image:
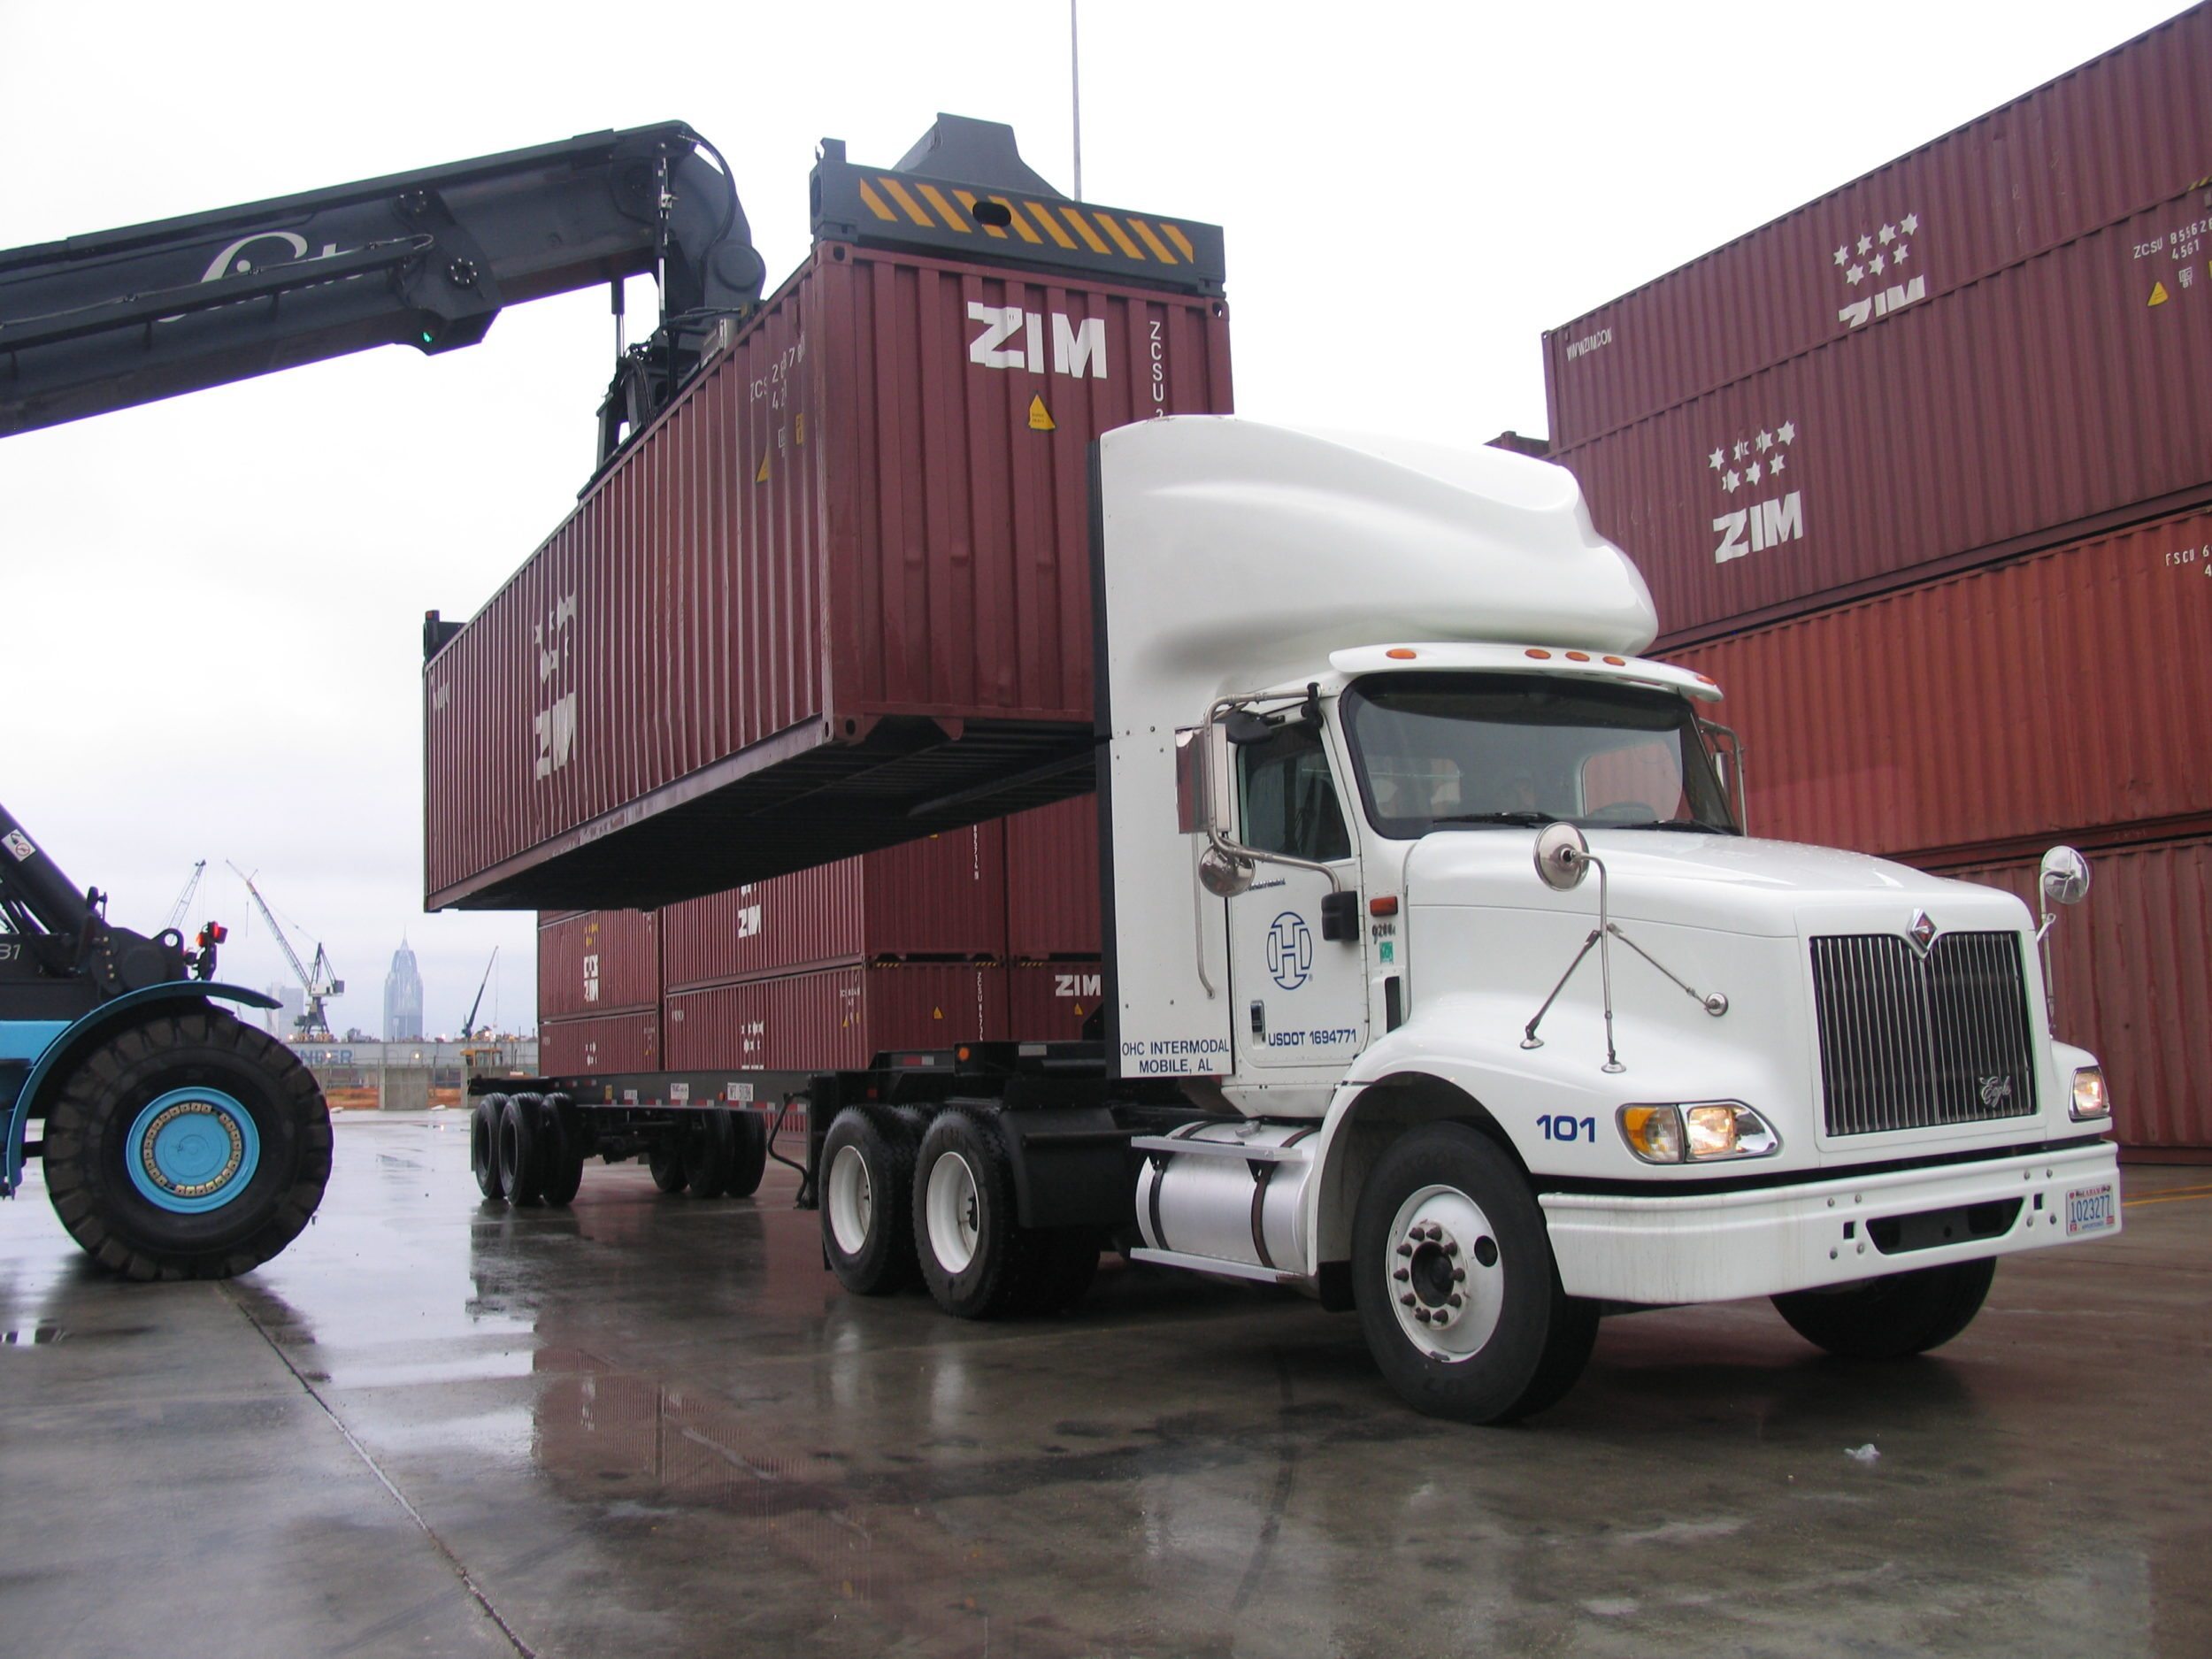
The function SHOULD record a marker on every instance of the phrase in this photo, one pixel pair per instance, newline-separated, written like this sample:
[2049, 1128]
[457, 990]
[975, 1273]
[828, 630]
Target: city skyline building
[403, 997]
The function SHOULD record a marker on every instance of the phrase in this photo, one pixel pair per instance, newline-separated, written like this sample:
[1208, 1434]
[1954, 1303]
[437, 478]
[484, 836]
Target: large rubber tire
[188, 1147]
[1514, 1342]
[564, 1152]
[709, 1148]
[522, 1149]
[749, 1160]
[867, 1191]
[484, 1146]
[977, 1259]
[664, 1158]
[1892, 1317]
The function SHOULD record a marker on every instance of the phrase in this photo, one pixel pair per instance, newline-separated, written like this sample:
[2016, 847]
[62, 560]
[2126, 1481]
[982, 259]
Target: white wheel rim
[949, 1205]
[852, 1200]
[1447, 1275]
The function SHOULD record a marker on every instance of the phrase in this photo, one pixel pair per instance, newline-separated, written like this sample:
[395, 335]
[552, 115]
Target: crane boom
[317, 983]
[468, 1025]
[183, 907]
[100, 322]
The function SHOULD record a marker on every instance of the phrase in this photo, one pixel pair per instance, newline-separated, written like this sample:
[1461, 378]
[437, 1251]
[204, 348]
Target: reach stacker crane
[178, 1140]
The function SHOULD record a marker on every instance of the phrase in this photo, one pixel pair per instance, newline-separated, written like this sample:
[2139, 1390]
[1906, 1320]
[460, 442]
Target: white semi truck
[1443, 981]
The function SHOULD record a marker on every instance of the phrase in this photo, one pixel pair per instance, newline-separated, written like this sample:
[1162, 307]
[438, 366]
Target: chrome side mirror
[2065, 876]
[1563, 857]
[1222, 875]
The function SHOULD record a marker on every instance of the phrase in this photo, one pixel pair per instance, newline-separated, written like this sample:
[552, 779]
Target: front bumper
[1688, 1246]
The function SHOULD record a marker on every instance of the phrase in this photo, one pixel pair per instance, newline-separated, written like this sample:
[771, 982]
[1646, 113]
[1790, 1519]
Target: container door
[1300, 1000]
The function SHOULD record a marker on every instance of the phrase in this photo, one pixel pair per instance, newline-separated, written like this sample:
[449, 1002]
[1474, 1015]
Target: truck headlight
[1702, 1132]
[2090, 1099]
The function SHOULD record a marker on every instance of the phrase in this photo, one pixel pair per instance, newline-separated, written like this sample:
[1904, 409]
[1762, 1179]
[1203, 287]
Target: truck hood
[1724, 883]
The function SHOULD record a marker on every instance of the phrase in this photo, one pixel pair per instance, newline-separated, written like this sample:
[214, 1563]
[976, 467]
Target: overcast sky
[214, 604]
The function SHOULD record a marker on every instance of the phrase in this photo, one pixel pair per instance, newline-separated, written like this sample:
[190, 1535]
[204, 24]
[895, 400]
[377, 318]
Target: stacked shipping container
[1920, 474]
[985, 933]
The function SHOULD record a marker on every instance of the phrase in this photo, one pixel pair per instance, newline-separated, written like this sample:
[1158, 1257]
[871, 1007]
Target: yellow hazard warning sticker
[2158, 294]
[1040, 418]
[760, 475]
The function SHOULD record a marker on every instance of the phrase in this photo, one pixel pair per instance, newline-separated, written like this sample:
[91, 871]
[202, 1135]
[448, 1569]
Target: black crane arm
[52, 930]
[426, 258]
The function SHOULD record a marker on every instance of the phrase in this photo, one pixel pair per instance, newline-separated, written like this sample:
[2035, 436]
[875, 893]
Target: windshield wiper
[1527, 819]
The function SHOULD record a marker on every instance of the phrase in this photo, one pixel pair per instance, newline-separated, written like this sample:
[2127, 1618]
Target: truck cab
[1437, 897]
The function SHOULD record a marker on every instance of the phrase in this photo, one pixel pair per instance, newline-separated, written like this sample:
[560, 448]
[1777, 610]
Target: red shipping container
[1052, 882]
[598, 962]
[2131, 973]
[833, 595]
[2051, 400]
[2024, 702]
[600, 1043]
[837, 1019]
[942, 897]
[2098, 144]
[1050, 1002]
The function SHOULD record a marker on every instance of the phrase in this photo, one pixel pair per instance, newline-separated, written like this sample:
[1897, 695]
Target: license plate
[2092, 1210]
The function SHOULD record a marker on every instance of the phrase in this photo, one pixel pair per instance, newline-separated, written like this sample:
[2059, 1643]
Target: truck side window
[1290, 798]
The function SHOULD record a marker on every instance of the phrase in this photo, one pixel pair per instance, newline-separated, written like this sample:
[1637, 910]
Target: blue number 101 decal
[1564, 1128]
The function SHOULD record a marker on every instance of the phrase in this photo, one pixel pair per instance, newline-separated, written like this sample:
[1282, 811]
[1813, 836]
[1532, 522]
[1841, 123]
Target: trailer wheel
[564, 1152]
[748, 1159]
[522, 1149]
[1892, 1317]
[979, 1261]
[190, 1147]
[665, 1159]
[867, 1178]
[484, 1146]
[1457, 1292]
[709, 1148]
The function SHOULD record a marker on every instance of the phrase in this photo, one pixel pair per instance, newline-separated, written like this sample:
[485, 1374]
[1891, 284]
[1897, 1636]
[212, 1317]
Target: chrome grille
[1908, 1042]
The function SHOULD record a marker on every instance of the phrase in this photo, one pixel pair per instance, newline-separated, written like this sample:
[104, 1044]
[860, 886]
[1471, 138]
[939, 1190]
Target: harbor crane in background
[180, 1142]
[469, 1033]
[318, 980]
[183, 905]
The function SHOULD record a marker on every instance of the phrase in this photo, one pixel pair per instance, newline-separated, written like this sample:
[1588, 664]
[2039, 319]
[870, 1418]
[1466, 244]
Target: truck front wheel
[190, 1147]
[1893, 1317]
[867, 1181]
[1457, 1292]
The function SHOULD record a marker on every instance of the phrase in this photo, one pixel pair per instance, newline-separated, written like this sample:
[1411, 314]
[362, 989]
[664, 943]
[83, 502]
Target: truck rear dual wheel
[484, 1146]
[1892, 1317]
[977, 1259]
[867, 1176]
[1457, 1292]
[190, 1147]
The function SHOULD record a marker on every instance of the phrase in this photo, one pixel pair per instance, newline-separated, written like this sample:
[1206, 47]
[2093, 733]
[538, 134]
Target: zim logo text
[1016, 339]
[1767, 523]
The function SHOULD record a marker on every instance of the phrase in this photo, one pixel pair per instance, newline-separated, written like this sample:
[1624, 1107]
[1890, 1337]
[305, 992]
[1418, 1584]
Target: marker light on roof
[1401, 652]
[1618, 662]
[1540, 655]
[1577, 656]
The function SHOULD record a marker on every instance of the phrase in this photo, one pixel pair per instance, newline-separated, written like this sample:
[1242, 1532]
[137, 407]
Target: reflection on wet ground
[648, 1424]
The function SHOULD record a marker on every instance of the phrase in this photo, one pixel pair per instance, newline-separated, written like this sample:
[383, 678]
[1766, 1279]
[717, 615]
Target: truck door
[1300, 999]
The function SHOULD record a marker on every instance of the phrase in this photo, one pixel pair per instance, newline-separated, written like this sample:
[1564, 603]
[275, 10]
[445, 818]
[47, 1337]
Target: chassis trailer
[1370, 717]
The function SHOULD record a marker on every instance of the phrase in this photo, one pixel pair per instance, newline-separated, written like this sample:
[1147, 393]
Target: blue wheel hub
[192, 1150]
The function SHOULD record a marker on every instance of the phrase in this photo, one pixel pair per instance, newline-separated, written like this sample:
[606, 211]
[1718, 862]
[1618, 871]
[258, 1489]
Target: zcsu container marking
[2098, 144]
[833, 595]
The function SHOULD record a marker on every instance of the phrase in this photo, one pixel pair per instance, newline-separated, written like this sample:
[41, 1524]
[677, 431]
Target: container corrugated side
[600, 962]
[2062, 693]
[1052, 882]
[941, 896]
[839, 1018]
[2099, 143]
[835, 593]
[2131, 974]
[2049, 401]
[600, 1043]
[1050, 1002]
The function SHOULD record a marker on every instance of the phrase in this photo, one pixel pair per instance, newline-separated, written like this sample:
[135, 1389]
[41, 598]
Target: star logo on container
[1290, 950]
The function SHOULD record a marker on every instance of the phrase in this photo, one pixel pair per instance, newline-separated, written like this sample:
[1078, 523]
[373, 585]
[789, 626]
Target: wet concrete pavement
[653, 1425]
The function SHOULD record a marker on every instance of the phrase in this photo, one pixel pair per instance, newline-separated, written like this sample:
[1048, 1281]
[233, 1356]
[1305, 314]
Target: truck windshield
[1465, 750]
